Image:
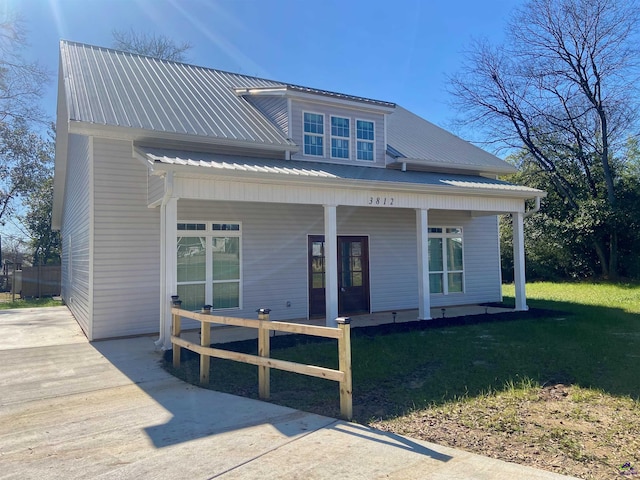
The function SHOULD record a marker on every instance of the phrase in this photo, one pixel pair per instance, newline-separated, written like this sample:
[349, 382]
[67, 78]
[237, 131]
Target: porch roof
[290, 169]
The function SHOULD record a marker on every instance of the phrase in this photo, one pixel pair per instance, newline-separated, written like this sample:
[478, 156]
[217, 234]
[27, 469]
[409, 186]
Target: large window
[446, 271]
[339, 137]
[209, 265]
[313, 134]
[365, 140]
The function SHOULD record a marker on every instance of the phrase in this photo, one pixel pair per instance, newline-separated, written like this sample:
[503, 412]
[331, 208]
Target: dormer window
[340, 137]
[314, 134]
[365, 140]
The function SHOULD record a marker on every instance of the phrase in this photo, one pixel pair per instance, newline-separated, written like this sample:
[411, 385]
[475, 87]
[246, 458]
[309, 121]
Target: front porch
[226, 334]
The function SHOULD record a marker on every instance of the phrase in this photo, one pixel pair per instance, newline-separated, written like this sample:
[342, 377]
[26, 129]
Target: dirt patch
[559, 428]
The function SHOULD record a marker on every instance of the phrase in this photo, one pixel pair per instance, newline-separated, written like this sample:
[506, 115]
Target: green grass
[590, 339]
[31, 303]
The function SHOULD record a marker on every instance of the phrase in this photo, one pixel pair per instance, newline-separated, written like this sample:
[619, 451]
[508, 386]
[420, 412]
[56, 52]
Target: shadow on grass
[404, 366]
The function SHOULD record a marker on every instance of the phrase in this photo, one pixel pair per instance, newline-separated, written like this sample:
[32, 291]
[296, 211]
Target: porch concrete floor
[226, 334]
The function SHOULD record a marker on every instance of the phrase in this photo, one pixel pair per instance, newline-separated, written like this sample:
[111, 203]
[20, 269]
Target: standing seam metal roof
[295, 168]
[109, 87]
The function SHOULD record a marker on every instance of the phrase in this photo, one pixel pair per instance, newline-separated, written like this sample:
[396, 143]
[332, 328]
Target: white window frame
[209, 234]
[339, 137]
[358, 140]
[311, 134]
[444, 235]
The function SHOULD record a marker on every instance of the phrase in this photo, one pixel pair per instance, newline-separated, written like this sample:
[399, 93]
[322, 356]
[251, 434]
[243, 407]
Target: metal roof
[415, 140]
[318, 170]
[113, 88]
[109, 87]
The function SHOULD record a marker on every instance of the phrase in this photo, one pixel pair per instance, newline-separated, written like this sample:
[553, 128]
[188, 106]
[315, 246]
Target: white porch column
[331, 264]
[518, 261]
[168, 267]
[422, 237]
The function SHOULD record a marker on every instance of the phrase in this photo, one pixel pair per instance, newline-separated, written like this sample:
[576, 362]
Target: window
[314, 134]
[339, 137]
[446, 272]
[209, 265]
[365, 138]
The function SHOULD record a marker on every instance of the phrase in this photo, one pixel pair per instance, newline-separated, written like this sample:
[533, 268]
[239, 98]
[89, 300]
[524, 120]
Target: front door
[353, 275]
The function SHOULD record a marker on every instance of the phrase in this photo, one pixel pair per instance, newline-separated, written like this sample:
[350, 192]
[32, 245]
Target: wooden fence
[40, 281]
[264, 326]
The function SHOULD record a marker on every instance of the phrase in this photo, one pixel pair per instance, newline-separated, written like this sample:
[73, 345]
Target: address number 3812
[381, 201]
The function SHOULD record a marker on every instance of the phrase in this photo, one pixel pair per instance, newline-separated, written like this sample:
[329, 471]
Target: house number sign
[381, 201]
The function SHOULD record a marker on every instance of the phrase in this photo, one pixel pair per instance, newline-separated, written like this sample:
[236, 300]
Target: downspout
[163, 330]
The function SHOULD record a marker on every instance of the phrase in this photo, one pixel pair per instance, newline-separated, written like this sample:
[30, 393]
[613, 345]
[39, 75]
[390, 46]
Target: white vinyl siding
[274, 253]
[155, 188]
[127, 245]
[75, 232]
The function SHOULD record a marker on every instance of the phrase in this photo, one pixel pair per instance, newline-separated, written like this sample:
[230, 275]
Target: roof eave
[505, 169]
[143, 135]
[319, 95]
[259, 177]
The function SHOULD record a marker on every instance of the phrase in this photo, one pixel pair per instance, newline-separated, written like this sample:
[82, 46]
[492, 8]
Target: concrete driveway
[70, 409]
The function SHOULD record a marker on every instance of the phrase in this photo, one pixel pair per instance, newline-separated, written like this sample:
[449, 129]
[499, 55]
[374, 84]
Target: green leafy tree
[45, 243]
[25, 157]
[563, 89]
[25, 162]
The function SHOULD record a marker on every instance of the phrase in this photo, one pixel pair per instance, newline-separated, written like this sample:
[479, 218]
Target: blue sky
[393, 50]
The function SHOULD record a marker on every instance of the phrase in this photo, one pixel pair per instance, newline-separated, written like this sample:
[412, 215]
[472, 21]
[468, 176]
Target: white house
[242, 193]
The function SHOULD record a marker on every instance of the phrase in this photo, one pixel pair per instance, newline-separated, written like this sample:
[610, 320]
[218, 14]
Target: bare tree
[21, 81]
[563, 88]
[152, 45]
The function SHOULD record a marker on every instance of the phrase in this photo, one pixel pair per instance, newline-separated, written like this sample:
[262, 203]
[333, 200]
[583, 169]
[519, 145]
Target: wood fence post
[264, 348]
[175, 331]
[205, 360]
[344, 359]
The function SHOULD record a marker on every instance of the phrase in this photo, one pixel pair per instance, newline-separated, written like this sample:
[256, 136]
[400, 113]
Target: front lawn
[556, 387]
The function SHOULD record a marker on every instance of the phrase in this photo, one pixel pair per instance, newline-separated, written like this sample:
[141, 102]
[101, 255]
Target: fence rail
[263, 360]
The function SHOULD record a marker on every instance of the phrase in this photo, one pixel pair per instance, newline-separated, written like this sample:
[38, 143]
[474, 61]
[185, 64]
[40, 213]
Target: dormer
[327, 127]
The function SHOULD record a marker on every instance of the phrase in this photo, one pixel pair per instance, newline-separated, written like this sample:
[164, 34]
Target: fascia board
[145, 136]
[314, 98]
[186, 171]
[498, 170]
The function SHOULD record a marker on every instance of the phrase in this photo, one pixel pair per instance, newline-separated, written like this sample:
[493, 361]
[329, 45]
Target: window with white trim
[364, 140]
[340, 137]
[446, 269]
[313, 134]
[209, 265]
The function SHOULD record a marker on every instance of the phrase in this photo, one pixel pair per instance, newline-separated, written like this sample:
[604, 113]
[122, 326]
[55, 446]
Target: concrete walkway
[70, 409]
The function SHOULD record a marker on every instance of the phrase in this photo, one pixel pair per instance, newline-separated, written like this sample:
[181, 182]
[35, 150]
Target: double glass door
[353, 275]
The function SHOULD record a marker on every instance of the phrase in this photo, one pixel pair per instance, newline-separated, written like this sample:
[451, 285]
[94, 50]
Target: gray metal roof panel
[113, 88]
[326, 170]
[422, 141]
[109, 87]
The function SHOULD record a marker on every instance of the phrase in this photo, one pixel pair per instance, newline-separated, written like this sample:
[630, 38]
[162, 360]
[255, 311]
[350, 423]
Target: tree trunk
[613, 255]
[604, 263]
